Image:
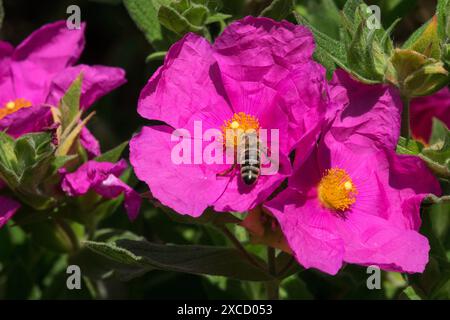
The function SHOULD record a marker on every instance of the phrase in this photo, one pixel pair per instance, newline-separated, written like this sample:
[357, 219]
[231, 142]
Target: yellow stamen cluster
[336, 190]
[238, 124]
[13, 106]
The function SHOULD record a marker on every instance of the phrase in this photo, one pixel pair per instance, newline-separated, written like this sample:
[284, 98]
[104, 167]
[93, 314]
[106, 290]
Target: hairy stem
[273, 286]
[405, 129]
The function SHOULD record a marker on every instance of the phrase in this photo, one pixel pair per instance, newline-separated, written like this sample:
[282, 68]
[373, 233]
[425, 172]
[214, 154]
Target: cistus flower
[353, 200]
[104, 179]
[259, 74]
[39, 71]
[8, 208]
[424, 109]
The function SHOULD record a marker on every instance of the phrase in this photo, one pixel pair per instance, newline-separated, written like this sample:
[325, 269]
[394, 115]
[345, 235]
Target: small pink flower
[102, 178]
[425, 108]
[258, 74]
[354, 199]
[39, 70]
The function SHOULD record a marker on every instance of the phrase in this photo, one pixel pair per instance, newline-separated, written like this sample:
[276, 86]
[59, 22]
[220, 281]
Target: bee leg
[227, 171]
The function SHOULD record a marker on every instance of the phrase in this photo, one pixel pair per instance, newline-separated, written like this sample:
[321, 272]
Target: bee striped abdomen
[250, 160]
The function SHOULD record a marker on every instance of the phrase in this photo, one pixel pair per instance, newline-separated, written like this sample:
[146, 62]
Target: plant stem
[273, 286]
[239, 246]
[405, 129]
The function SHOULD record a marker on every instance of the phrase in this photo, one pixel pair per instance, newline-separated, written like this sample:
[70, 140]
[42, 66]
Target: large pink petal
[8, 208]
[45, 53]
[371, 240]
[372, 117]
[187, 83]
[254, 54]
[97, 82]
[309, 231]
[186, 188]
[305, 97]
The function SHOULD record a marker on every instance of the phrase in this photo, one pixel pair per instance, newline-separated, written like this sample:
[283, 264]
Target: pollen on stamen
[13, 106]
[336, 190]
[240, 122]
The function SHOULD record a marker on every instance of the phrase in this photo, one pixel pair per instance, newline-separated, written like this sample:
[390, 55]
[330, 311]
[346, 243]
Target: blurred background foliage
[29, 271]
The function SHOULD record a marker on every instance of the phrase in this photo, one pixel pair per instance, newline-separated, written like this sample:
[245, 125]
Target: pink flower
[425, 108]
[102, 178]
[8, 208]
[39, 70]
[353, 200]
[258, 74]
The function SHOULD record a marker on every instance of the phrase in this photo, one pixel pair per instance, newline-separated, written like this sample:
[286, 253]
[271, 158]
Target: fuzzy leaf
[174, 21]
[278, 9]
[196, 14]
[187, 259]
[70, 103]
[145, 14]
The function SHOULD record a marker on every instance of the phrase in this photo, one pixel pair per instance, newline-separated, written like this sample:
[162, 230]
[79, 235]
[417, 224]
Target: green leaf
[425, 40]
[145, 14]
[112, 155]
[70, 103]
[187, 259]
[329, 52]
[196, 14]
[174, 21]
[443, 19]
[278, 9]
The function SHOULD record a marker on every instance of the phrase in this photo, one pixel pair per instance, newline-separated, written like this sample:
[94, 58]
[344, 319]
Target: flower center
[336, 190]
[238, 124]
[13, 106]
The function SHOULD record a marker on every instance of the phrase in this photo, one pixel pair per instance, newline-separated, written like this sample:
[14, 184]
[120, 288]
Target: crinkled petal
[97, 82]
[8, 208]
[254, 54]
[45, 53]
[89, 174]
[102, 177]
[189, 81]
[304, 96]
[372, 117]
[371, 240]
[308, 230]
[186, 188]
[90, 143]
[26, 120]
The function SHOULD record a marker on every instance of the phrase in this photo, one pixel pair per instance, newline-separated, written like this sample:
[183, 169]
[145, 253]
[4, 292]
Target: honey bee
[249, 153]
